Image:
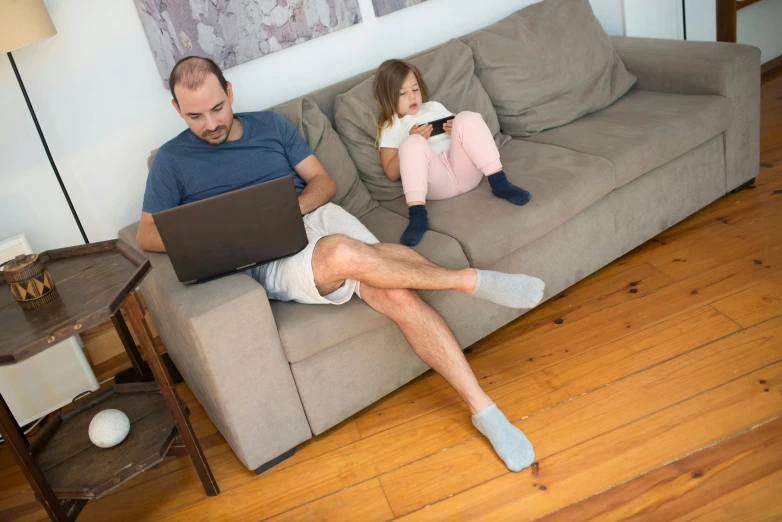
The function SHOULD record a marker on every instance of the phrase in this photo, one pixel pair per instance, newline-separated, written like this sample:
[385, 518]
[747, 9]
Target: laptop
[232, 232]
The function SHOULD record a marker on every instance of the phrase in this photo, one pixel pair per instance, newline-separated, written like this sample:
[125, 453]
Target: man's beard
[222, 139]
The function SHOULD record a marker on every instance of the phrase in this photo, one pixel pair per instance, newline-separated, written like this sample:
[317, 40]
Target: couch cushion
[644, 130]
[562, 182]
[316, 130]
[448, 73]
[546, 65]
[306, 329]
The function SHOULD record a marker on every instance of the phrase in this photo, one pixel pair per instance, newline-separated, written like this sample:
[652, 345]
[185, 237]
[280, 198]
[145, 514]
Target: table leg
[17, 442]
[142, 370]
[169, 395]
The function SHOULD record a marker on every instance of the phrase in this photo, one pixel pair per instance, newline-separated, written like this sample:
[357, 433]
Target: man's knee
[339, 251]
[399, 299]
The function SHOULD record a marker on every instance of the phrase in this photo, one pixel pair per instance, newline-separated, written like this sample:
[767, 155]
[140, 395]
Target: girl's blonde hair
[388, 82]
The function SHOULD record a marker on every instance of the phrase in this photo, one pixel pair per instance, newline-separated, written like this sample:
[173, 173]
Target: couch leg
[748, 184]
[288, 454]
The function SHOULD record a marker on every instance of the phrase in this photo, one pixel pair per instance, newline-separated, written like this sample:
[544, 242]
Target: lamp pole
[46, 146]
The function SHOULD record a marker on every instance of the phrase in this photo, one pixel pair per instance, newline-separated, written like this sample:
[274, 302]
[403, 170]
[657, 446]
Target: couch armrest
[728, 69]
[223, 339]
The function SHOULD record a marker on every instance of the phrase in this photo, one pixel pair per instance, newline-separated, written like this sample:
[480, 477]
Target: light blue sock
[511, 290]
[508, 441]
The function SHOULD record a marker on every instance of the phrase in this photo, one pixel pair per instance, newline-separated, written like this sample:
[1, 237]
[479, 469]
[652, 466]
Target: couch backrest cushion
[315, 128]
[547, 65]
[449, 74]
[325, 97]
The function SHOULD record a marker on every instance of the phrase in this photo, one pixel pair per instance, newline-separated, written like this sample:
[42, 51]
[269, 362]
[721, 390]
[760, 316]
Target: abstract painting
[231, 32]
[383, 7]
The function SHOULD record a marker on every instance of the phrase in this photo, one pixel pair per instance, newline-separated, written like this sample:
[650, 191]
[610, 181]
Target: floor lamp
[23, 22]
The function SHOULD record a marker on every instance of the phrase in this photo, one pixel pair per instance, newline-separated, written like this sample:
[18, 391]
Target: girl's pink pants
[472, 155]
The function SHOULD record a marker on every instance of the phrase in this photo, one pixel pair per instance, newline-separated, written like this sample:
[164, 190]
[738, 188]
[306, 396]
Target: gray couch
[272, 374]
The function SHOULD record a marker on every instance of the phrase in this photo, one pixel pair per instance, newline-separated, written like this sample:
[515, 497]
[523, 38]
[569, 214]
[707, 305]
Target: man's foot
[419, 223]
[502, 188]
[508, 441]
[511, 290]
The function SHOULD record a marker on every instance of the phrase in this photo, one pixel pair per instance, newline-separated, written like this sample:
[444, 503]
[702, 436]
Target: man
[223, 151]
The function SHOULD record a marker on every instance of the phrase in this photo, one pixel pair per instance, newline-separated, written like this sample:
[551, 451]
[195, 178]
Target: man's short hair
[192, 72]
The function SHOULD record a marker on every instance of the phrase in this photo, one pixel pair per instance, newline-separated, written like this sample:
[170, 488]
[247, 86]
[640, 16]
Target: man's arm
[320, 187]
[147, 237]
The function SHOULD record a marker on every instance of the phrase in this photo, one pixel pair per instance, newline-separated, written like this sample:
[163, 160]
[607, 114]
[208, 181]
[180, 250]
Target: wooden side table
[64, 468]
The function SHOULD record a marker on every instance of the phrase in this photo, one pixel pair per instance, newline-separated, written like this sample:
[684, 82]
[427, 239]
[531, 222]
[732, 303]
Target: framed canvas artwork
[383, 7]
[231, 32]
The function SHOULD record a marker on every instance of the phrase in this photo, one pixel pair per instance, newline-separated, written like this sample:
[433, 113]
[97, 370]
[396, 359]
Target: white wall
[103, 106]
[760, 24]
[31, 201]
[654, 19]
[702, 20]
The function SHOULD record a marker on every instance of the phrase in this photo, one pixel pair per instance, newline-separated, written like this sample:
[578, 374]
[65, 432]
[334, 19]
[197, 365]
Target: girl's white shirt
[392, 135]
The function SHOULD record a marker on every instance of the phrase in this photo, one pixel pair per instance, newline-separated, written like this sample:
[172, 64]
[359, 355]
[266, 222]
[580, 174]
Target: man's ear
[176, 106]
[230, 91]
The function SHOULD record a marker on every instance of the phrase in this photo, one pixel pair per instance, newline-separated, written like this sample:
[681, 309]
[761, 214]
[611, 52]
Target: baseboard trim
[771, 68]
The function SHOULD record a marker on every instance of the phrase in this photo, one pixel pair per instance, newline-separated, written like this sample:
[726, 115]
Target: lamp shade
[23, 22]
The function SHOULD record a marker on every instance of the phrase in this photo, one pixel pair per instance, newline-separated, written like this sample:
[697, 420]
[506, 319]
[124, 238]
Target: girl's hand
[424, 130]
[447, 126]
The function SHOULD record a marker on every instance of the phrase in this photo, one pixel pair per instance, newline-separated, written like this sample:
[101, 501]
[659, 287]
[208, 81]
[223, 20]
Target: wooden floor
[652, 390]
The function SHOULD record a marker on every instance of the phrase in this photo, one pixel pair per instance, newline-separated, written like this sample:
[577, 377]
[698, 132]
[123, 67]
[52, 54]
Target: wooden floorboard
[726, 474]
[619, 455]
[364, 502]
[744, 504]
[587, 415]
[652, 390]
[753, 305]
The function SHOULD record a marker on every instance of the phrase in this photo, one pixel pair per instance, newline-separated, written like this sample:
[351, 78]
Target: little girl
[441, 166]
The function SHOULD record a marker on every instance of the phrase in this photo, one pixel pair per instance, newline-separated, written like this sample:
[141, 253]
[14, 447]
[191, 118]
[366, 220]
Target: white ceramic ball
[108, 428]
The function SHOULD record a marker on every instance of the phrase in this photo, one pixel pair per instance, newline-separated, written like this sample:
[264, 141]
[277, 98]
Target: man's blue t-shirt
[187, 169]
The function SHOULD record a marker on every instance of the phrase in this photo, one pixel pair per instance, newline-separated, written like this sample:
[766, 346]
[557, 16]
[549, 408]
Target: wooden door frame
[726, 20]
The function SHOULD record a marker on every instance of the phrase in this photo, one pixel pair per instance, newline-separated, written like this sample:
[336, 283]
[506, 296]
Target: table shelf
[92, 281]
[77, 469]
[62, 465]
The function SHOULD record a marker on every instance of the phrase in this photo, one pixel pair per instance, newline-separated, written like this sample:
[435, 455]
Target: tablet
[437, 125]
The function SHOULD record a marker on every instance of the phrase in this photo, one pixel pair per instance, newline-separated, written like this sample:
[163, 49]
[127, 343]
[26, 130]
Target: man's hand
[424, 130]
[320, 187]
[447, 126]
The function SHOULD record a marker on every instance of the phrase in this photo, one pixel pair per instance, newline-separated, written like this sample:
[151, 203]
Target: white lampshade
[23, 22]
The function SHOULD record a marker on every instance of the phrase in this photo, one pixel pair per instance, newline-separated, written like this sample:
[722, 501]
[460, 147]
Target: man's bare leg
[430, 338]
[383, 265]
[434, 343]
[337, 257]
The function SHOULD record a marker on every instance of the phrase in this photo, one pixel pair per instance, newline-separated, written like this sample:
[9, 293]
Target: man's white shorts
[292, 279]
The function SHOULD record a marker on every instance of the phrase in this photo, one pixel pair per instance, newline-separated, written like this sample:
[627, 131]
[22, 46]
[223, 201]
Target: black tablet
[437, 125]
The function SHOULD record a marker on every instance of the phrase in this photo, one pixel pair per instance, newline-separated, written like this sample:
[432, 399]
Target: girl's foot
[502, 188]
[419, 223]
